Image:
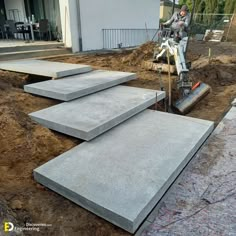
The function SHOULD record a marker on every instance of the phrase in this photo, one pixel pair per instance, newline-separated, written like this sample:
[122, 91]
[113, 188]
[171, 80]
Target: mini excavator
[189, 94]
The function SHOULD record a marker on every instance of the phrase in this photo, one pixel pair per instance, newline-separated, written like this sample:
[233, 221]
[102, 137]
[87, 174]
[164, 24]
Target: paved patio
[15, 43]
[11, 49]
[203, 199]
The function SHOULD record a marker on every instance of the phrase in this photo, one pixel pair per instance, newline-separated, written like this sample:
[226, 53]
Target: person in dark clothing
[179, 22]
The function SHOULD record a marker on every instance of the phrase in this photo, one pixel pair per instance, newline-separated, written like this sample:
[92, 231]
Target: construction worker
[179, 23]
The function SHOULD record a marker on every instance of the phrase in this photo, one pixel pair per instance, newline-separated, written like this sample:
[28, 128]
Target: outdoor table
[26, 24]
[37, 25]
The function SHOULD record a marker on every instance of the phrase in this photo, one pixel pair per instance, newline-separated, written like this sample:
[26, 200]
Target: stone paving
[203, 200]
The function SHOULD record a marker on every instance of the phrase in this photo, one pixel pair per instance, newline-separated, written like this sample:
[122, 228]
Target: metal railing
[123, 38]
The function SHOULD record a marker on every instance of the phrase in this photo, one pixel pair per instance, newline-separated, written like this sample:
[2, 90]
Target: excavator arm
[190, 94]
[178, 51]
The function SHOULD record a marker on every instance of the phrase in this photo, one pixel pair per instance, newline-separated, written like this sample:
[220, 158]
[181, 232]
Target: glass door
[36, 8]
[2, 13]
[45, 9]
[52, 13]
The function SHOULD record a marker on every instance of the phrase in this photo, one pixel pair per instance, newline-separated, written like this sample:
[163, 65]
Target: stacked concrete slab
[132, 159]
[44, 68]
[76, 86]
[122, 174]
[90, 116]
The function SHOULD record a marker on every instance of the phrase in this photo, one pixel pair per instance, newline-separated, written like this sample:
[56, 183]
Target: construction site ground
[25, 145]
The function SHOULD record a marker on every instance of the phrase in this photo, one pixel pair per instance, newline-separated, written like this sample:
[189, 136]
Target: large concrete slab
[210, 176]
[79, 85]
[122, 174]
[44, 68]
[90, 116]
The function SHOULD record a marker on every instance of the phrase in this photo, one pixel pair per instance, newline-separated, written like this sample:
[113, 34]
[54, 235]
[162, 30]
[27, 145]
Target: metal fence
[202, 22]
[119, 38]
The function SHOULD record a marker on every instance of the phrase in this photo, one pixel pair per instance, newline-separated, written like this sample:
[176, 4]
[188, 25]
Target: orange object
[196, 85]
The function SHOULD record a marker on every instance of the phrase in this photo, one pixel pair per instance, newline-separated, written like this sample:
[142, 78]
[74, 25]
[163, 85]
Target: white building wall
[69, 23]
[15, 4]
[101, 14]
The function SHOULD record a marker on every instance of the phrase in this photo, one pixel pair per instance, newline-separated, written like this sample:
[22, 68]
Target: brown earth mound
[8, 215]
[219, 71]
[25, 145]
[12, 79]
[144, 52]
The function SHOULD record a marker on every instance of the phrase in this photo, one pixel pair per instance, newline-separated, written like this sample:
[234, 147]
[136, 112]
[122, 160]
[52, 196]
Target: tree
[221, 6]
[208, 6]
[186, 2]
[173, 7]
[230, 6]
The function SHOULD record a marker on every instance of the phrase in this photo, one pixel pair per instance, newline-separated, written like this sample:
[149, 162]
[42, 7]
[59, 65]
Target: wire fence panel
[122, 38]
[203, 22]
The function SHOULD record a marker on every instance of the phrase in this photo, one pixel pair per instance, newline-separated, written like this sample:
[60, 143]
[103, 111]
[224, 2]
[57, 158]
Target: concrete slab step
[210, 176]
[77, 86]
[31, 47]
[92, 115]
[34, 54]
[121, 175]
[44, 68]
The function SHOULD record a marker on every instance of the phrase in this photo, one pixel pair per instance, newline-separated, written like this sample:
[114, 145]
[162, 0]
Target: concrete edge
[66, 193]
[174, 178]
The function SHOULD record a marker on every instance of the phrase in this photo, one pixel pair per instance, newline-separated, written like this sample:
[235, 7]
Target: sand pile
[219, 71]
[144, 52]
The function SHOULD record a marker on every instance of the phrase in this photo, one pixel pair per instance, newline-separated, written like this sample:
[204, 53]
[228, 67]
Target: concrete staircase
[32, 50]
[133, 154]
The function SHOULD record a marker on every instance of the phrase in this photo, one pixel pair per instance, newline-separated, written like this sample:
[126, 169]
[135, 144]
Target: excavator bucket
[185, 104]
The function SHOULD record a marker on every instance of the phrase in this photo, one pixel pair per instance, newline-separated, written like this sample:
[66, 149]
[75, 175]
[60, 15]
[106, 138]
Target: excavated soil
[25, 145]
[140, 54]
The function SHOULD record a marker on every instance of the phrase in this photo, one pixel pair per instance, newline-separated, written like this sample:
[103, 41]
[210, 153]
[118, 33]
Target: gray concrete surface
[21, 45]
[44, 68]
[234, 102]
[90, 116]
[202, 201]
[77, 86]
[122, 174]
[19, 55]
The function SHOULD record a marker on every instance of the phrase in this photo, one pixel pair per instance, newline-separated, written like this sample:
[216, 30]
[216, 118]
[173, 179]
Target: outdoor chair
[21, 29]
[11, 29]
[43, 29]
[2, 31]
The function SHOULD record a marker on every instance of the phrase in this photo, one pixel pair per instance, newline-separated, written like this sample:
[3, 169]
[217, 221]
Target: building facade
[166, 7]
[89, 24]
[83, 21]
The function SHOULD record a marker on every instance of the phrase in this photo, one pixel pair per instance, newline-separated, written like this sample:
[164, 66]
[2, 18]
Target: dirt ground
[219, 74]
[25, 145]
